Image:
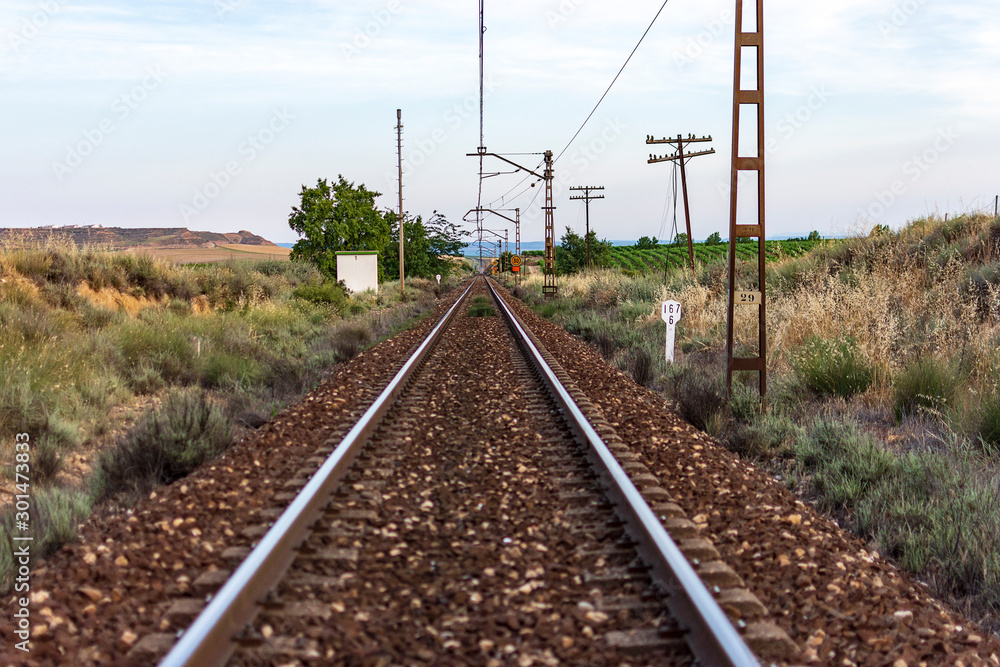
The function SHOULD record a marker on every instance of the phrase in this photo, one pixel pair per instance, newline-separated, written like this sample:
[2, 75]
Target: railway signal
[681, 158]
[517, 226]
[586, 199]
[748, 93]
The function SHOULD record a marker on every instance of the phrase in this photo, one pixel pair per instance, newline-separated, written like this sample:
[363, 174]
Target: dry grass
[899, 299]
[884, 359]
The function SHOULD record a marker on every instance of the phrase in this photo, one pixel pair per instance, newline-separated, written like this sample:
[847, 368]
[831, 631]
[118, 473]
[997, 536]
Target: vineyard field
[645, 260]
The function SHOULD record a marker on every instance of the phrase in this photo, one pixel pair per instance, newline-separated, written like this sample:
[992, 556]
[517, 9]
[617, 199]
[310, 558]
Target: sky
[212, 114]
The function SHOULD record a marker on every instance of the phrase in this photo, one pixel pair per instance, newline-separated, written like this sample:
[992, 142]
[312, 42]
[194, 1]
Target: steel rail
[711, 636]
[210, 639]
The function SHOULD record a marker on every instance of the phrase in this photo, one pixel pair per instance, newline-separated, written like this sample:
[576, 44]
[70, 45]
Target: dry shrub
[640, 366]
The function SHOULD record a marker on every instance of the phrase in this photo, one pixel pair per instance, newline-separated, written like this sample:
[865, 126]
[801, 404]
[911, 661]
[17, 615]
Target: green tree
[424, 245]
[681, 239]
[713, 239]
[337, 218]
[814, 236]
[646, 242]
[571, 255]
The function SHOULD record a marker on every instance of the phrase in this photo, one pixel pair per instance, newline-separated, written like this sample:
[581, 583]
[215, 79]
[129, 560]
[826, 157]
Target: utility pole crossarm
[691, 139]
[586, 198]
[653, 159]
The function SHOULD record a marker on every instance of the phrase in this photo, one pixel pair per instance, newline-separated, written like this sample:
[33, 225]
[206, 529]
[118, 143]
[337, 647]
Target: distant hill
[122, 237]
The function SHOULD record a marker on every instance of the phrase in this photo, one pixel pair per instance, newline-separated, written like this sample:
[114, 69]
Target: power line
[502, 197]
[613, 81]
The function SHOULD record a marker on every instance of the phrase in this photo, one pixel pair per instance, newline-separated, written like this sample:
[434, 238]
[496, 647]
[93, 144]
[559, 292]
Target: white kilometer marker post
[671, 314]
[438, 276]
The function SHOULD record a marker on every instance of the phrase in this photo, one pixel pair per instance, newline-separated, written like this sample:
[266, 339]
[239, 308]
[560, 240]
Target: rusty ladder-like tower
[748, 97]
[549, 289]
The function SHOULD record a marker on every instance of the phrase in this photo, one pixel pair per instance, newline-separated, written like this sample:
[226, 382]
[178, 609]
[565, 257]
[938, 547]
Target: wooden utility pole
[748, 94]
[681, 157]
[399, 143]
[585, 189]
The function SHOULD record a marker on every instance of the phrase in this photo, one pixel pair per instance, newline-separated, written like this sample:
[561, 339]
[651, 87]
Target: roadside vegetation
[883, 404]
[145, 369]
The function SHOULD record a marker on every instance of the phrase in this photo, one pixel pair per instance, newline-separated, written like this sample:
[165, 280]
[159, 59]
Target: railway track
[473, 515]
[411, 563]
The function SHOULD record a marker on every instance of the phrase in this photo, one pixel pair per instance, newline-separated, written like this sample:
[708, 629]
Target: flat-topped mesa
[125, 237]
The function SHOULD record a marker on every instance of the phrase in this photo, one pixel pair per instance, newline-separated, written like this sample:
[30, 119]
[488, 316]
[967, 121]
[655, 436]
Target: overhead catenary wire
[594, 110]
[671, 195]
[502, 199]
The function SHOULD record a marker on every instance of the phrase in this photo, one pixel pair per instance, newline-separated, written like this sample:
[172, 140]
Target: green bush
[989, 423]
[226, 369]
[46, 459]
[641, 366]
[700, 396]
[925, 386]
[156, 345]
[329, 293]
[833, 368]
[349, 340]
[55, 514]
[168, 444]
[845, 464]
[480, 307]
[769, 435]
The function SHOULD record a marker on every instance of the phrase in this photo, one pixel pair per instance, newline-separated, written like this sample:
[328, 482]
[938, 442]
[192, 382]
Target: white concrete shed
[358, 270]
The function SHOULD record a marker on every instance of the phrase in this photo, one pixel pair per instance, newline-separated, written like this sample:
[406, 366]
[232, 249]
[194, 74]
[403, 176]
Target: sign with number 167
[671, 314]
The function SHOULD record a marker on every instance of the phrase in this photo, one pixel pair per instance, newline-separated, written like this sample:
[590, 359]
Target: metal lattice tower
[748, 97]
[549, 289]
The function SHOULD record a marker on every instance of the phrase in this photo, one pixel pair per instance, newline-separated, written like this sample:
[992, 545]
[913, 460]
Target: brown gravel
[840, 601]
